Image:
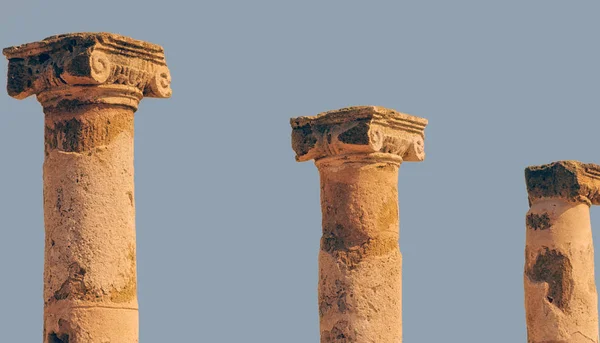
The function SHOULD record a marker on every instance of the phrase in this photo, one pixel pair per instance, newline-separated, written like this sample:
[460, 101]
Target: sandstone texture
[89, 85]
[358, 151]
[560, 290]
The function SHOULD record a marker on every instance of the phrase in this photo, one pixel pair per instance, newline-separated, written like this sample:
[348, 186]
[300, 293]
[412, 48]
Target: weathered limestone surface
[89, 85]
[560, 291]
[358, 151]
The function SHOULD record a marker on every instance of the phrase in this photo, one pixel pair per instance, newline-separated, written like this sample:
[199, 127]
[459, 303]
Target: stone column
[560, 291]
[358, 151]
[89, 85]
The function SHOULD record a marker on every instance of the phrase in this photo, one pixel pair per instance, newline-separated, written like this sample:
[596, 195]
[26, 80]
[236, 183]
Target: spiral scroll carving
[360, 132]
[100, 67]
[161, 82]
[65, 63]
[416, 151]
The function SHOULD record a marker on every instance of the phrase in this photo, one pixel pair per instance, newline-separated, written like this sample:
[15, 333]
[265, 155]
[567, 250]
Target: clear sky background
[228, 223]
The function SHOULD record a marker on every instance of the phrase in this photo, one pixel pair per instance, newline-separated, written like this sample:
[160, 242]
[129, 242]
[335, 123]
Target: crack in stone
[584, 336]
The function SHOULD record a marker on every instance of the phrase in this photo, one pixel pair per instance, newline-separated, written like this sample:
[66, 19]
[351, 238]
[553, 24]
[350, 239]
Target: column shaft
[560, 290]
[360, 263]
[90, 263]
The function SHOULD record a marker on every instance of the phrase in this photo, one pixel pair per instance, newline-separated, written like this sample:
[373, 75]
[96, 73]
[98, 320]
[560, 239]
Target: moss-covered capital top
[359, 131]
[62, 68]
[570, 180]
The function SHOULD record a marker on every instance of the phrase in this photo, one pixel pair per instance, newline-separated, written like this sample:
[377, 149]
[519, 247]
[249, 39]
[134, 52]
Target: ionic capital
[362, 133]
[570, 180]
[82, 68]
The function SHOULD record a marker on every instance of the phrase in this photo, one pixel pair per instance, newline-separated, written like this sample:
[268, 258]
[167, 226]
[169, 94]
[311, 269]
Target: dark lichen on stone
[570, 180]
[555, 269]
[536, 221]
[337, 296]
[340, 333]
[85, 132]
[303, 139]
[358, 134]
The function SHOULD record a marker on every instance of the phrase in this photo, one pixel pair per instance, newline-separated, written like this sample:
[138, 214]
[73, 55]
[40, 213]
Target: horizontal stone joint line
[366, 158]
[593, 173]
[105, 306]
[138, 54]
[413, 122]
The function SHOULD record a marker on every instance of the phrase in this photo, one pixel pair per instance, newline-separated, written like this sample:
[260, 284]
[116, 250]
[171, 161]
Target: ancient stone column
[358, 151]
[89, 85]
[560, 291]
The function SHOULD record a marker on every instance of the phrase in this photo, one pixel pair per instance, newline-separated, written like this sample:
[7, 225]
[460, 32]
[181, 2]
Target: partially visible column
[358, 151]
[560, 291]
[89, 85]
